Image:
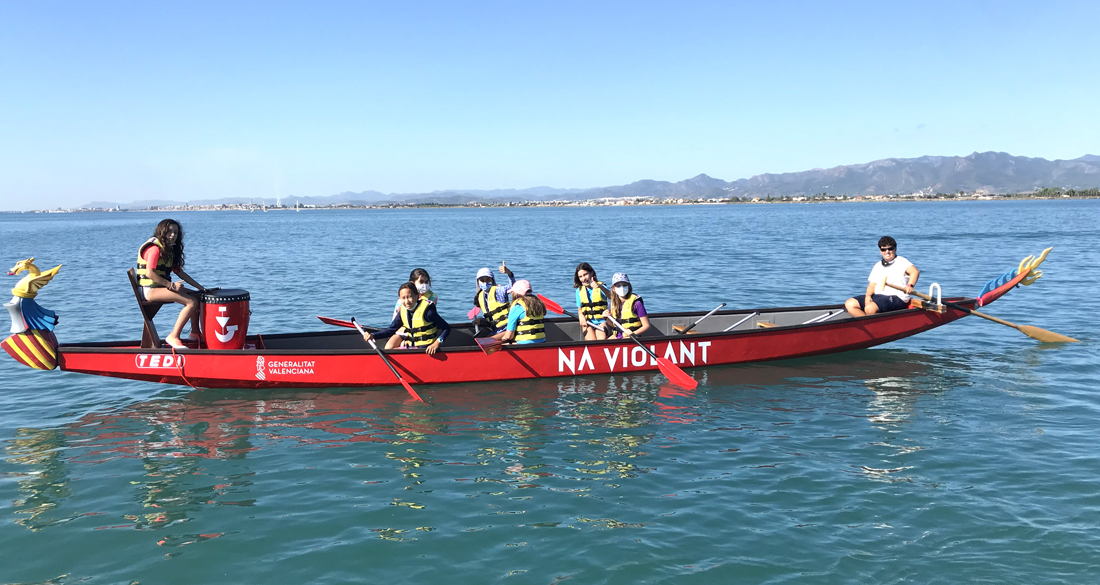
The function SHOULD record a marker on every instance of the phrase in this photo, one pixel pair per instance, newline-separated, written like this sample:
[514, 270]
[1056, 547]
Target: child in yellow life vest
[494, 299]
[524, 317]
[423, 283]
[626, 307]
[591, 302]
[158, 258]
[417, 318]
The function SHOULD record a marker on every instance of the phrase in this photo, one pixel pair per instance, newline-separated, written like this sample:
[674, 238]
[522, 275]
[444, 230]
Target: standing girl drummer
[627, 307]
[591, 302]
[158, 258]
[524, 317]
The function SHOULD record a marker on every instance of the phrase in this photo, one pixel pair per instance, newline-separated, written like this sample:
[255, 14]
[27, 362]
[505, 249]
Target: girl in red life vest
[626, 307]
[159, 257]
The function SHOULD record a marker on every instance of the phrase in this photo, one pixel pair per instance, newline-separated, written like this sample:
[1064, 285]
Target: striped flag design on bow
[35, 348]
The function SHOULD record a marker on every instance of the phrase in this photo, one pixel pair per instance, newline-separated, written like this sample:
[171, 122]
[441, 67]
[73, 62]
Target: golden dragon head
[27, 265]
[36, 279]
[1028, 266]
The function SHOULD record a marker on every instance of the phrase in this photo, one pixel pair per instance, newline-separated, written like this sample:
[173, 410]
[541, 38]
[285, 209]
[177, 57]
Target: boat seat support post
[149, 337]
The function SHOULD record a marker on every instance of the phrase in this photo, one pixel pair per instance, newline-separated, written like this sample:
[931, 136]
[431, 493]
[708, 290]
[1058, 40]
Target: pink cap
[521, 287]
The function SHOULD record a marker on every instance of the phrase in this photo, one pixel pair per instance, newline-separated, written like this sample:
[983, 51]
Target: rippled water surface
[967, 453]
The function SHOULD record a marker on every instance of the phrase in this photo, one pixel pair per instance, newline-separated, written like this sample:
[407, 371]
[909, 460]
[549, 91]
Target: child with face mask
[626, 307]
[423, 283]
[418, 319]
[493, 299]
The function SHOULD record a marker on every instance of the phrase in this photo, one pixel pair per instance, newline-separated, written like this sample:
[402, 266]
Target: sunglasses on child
[890, 249]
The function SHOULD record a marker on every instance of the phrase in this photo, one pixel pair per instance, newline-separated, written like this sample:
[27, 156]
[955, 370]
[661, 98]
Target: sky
[124, 101]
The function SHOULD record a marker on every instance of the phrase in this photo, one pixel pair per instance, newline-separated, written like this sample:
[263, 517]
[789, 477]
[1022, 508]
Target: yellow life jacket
[627, 317]
[529, 329]
[496, 312]
[596, 305]
[163, 267]
[423, 332]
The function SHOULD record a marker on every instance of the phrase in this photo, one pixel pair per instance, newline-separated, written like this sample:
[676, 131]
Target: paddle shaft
[716, 309]
[386, 360]
[634, 338]
[956, 306]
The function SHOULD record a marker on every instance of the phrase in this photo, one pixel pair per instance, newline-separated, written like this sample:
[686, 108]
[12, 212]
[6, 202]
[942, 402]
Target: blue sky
[124, 101]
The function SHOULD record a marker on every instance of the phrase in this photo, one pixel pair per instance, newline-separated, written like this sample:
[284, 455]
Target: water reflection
[46, 481]
[559, 435]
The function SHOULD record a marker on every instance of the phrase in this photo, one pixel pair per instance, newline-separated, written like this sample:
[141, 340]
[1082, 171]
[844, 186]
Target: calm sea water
[965, 454]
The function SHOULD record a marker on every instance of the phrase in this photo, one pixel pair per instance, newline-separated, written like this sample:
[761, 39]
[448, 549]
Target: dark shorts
[885, 303]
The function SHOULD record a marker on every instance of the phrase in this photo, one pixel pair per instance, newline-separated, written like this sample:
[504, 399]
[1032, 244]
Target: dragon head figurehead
[34, 280]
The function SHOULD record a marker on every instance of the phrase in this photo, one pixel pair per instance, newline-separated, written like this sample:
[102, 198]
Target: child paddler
[418, 319]
[524, 316]
[423, 283]
[158, 258]
[591, 302]
[627, 307]
[494, 299]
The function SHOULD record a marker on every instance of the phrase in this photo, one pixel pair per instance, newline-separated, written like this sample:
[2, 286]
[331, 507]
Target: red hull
[307, 368]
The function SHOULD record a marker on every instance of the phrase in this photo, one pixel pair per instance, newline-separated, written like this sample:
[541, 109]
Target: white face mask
[622, 290]
[423, 288]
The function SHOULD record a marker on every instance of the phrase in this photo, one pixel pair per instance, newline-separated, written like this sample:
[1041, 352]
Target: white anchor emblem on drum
[229, 331]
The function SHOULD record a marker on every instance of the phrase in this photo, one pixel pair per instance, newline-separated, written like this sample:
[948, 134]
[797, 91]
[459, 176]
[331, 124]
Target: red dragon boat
[342, 358]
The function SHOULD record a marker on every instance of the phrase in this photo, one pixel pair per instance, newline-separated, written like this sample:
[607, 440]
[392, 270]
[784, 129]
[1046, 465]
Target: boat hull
[310, 368]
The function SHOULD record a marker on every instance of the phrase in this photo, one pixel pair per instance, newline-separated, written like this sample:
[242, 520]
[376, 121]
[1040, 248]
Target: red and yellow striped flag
[34, 347]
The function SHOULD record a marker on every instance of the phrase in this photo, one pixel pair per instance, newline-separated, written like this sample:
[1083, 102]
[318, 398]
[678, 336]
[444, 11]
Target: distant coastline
[1042, 194]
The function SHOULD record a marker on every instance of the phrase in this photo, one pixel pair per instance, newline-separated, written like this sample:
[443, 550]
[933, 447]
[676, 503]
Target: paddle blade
[489, 345]
[1044, 335]
[410, 389]
[676, 375]
[551, 305]
[473, 313]
[337, 322]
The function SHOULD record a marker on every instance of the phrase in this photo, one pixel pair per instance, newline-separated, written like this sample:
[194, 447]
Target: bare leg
[601, 332]
[852, 306]
[393, 342]
[190, 307]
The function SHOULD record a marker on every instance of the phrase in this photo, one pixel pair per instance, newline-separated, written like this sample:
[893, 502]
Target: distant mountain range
[989, 172]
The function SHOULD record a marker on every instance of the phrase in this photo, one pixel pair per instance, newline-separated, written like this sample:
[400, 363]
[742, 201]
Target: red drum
[225, 318]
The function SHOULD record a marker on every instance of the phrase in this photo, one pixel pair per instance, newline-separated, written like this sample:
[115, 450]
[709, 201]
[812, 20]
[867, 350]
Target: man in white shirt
[892, 269]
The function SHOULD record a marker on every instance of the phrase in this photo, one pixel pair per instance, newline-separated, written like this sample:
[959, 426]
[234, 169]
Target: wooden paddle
[1028, 330]
[669, 369]
[388, 364]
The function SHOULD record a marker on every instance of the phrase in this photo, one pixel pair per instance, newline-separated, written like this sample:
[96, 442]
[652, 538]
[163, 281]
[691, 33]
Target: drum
[225, 318]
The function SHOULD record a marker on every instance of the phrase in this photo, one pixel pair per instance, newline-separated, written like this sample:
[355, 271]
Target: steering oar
[1028, 330]
[387, 361]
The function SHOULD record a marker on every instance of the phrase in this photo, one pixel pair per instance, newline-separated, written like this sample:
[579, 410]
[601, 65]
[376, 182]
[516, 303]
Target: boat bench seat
[149, 337]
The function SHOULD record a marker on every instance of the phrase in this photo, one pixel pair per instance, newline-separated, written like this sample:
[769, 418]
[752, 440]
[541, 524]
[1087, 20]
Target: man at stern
[892, 269]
